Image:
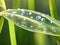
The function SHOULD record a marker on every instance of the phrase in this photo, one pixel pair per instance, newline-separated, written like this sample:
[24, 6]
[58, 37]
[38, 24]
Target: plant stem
[53, 10]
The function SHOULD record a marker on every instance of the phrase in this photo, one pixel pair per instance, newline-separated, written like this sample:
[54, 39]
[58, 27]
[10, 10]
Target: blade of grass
[16, 19]
[3, 7]
[12, 33]
[31, 4]
[12, 28]
[38, 39]
[53, 12]
[52, 8]
[1, 23]
[16, 4]
[2, 2]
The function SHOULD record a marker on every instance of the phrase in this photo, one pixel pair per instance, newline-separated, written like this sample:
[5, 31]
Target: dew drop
[31, 17]
[51, 22]
[53, 29]
[31, 26]
[30, 13]
[23, 24]
[14, 12]
[22, 10]
[18, 8]
[35, 29]
[42, 19]
[22, 14]
[8, 9]
[38, 17]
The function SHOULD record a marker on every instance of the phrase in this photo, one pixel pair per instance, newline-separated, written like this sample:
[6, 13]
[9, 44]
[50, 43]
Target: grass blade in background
[1, 23]
[31, 4]
[3, 7]
[39, 40]
[12, 28]
[12, 33]
[16, 4]
[53, 10]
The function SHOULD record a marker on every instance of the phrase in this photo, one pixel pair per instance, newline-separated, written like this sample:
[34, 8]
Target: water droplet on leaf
[23, 24]
[38, 17]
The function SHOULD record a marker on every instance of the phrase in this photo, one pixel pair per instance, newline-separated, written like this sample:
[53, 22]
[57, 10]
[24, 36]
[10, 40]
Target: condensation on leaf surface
[33, 21]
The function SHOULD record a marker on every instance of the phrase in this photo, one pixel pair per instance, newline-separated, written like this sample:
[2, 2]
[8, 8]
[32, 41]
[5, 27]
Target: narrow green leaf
[34, 21]
[11, 25]
[53, 10]
[39, 40]
[1, 23]
[12, 33]
[16, 4]
[31, 4]
[2, 7]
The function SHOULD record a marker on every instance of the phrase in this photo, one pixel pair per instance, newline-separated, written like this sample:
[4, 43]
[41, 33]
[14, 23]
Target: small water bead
[38, 17]
[8, 9]
[42, 19]
[30, 13]
[31, 26]
[44, 28]
[22, 14]
[22, 10]
[18, 8]
[54, 29]
[51, 22]
[14, 12]
[31, 17]
[36, 29]
[23, 24]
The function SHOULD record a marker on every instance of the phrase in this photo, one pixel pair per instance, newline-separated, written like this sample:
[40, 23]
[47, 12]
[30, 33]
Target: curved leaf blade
[33, 21]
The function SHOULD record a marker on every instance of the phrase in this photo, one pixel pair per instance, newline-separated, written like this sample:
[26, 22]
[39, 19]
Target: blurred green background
[25, 37]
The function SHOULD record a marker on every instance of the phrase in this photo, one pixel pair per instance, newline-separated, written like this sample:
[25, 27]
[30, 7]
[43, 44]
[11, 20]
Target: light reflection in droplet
[31, 17]
[14, 12]
[38, 17]
[18, 8]
[31, 26]
[30, 13]
[53, 29]
[22, 10]
[35, 29]
[51, 22]
[42, 19]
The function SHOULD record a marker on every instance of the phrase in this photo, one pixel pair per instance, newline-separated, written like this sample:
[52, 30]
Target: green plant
[31, 21]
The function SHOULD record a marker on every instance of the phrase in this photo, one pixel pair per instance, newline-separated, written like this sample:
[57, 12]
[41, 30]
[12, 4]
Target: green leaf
[1, 23]
[33, 21]
[12, 33]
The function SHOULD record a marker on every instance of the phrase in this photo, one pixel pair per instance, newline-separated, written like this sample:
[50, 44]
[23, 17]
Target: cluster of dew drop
[27, 23]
